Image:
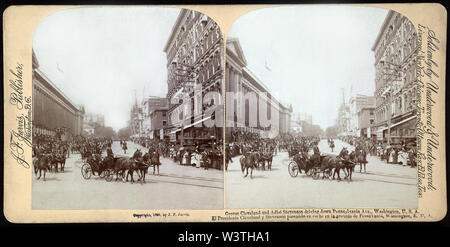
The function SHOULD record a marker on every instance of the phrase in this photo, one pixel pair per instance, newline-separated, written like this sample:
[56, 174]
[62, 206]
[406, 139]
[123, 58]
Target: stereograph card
[216, 113]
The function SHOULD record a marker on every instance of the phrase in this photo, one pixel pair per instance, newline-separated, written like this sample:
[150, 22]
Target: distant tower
[342, 114]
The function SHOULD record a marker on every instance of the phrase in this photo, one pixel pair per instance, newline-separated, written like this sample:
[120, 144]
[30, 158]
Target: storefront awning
[190, 125]
[195, 123]
[398, 123]
[174, 131]
[403, 121]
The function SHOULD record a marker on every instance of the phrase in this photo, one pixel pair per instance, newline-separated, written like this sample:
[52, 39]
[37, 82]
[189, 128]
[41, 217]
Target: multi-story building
[155, 117]
[91, 122]
[94, 119]
[245, 115]
[366, 121]
[356, 104]
[395, 50]
[53, 112]
[194, 59]
[298, 120]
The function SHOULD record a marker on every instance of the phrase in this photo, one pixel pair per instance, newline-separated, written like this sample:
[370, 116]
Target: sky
[106, 57]
[306, 54]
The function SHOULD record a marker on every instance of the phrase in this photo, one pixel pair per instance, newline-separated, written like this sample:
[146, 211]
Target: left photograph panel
[124, 111]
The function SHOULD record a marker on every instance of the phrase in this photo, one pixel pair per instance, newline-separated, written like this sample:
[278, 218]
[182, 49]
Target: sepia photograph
[224, 113]
[117, 123]
[321, 109]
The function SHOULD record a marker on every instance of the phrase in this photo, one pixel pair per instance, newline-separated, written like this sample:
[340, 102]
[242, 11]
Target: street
[383, 186]
[177, 187]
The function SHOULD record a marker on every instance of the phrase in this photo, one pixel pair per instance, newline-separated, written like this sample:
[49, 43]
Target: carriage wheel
[86, 171]
[316, 174]
[293, 169]
[108, 176]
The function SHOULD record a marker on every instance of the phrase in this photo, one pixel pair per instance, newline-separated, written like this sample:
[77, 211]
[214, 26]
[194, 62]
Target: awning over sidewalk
[403, 121]
[398, 123]
[190, 125]
[195, 123]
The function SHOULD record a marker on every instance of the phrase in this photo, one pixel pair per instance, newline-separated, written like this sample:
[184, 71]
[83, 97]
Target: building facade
[366, 122]
[396, 52]
[53, 112]
[91, 121]
[194, 60]
[155, 117]
[356, 104]
[243, 112]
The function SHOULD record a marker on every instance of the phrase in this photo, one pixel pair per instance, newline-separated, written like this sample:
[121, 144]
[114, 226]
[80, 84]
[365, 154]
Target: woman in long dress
[391, 156]
[403, 157]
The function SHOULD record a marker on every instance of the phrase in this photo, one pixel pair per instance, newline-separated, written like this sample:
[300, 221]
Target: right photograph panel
[321, 109]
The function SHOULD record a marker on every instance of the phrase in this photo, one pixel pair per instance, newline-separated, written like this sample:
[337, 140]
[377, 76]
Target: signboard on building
[380, 135]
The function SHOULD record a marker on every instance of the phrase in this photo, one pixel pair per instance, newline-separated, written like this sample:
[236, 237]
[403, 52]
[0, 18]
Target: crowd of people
[210, 155]
[46, 144]
[206, 155]
[243, 142]
[402, 153]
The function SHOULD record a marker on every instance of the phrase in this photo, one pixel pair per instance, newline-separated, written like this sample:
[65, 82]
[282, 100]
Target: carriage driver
[109, 159]
[315, 158]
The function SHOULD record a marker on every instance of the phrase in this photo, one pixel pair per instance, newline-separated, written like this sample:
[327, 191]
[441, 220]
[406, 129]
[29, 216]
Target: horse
[132, 165]
[121, 165]
[247, 161]
[330, 162]
[361, 159]
[140, 165]
[41, 163]
[59, 158]
[154, 161]
[349, 163]
[266, 157]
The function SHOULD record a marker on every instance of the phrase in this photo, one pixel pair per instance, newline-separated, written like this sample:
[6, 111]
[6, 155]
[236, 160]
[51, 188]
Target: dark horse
[266, 157]
[59, 158]
[331, 162]
[41, 163]
[152, 159]
[140, 166]
[360, 158]
[122, 165]
[247, 161]
[348, 161]
[134, 164]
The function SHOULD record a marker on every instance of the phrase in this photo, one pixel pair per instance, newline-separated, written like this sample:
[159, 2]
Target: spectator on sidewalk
[391, 156]
[403, 157]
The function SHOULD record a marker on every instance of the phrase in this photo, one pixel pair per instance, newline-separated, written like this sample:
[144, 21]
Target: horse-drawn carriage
[327, 164]
[94, 165]
[311, 167]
